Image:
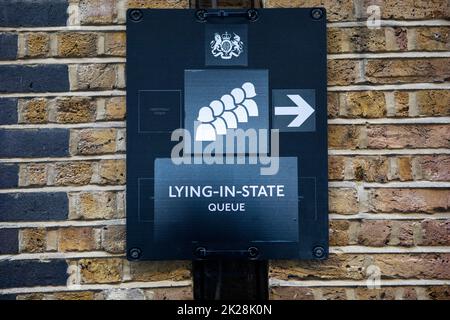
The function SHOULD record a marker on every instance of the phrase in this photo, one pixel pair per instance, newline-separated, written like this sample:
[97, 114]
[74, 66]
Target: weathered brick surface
[181, 293]
[96, 205]
[433, 102]
[435, 167]
[33, 174]
[339, 233]
[433, 38]
[63, 173]
[353, 267]
[343, 137]
[74, 110]
[112, 172]
[75, 295]
[37, 45]
[409, 200]
[96, 77]
[361, 293]
[115, 108]
[93, 141]
[439, 293]
[343, 200]
[113, 239]
[356, 40]
[33, 111]
[62, 110]
[291, 293]
[33, 240]
[336, 166]
[408, 136]
[337, 10]
[115, 44]
[404, 168]
[344, 72]
[374, 233]
[389, 168]
[435, 232]
[375, 104]
[97, 11]
[370, 169]
[365, 104]
[77, 239]
[101, 270]
[158, 4]
[409, 9]
[160, 270]
[406, 70]
[77, 44]
[73, 173]
[380, 233]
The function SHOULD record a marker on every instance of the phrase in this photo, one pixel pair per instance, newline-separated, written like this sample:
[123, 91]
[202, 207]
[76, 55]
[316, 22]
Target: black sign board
[226, 134]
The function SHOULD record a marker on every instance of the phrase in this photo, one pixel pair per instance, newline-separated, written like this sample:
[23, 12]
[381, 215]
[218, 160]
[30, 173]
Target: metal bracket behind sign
[251, 14]
[202, 14]
[197, 4]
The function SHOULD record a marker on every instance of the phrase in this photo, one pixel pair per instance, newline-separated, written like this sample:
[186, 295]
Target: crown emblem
[226, 46]
[226, 36]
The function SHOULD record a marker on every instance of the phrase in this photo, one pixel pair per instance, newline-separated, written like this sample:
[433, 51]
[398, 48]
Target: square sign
[227, 135]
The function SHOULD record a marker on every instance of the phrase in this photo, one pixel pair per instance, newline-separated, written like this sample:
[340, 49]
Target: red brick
[408, 136]
[374, 233]
[435, 233]
[435, 167]
[291, 293]
[409, 200]
[380, 71]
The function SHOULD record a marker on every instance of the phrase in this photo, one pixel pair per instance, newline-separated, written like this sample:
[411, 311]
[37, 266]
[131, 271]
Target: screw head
[135, 253]
[136, 15]
[253, 252]
[318, 252]
[252, 14]
[200, 252]
[317, 13]
[201, 15]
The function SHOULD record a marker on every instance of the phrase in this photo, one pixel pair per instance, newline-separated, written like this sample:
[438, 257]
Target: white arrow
[302, 110]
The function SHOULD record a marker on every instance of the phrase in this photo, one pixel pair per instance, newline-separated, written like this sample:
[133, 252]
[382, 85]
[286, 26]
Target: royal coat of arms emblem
[225, 47]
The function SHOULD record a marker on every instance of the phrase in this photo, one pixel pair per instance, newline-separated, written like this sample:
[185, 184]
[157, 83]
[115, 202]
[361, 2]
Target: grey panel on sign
[247, 91]
[182, 214]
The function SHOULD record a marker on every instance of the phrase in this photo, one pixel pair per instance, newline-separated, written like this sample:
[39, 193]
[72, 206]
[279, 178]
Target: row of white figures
[226, 113]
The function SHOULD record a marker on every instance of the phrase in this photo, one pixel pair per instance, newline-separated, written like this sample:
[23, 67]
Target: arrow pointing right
[302, 110]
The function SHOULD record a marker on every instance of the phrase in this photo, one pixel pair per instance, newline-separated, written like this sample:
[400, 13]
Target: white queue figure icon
[226, 113]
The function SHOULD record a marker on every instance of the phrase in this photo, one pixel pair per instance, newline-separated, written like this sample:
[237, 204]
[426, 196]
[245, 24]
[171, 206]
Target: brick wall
[62, 150]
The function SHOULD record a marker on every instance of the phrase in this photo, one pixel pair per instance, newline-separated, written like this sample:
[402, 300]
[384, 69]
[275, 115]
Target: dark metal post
[229, 279]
